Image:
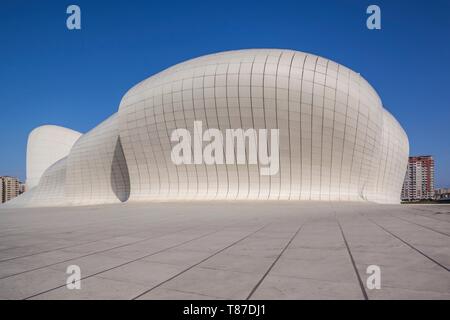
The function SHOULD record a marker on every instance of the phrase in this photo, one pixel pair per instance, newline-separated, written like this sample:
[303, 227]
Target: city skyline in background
[51, 75]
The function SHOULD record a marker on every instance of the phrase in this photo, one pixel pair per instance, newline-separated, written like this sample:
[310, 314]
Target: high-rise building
[419, 179]
[10, 188]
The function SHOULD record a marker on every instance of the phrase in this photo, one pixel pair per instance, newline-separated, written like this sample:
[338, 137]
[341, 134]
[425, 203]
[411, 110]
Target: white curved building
[46, 145]
[336, 141]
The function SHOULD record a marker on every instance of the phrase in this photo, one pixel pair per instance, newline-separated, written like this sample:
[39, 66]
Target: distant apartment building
[9, 188]
[22, 188]
[442, 194]
[419, 179]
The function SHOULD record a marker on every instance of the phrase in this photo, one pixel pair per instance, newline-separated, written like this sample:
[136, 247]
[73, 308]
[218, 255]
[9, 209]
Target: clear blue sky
[50, 75]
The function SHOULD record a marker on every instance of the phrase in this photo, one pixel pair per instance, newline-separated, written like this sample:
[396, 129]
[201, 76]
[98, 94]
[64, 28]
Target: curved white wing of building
[336, 141]
[46, 145]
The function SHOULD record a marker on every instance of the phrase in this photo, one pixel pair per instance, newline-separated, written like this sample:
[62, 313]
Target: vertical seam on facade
[381, 157]
[371, 169]
[264, 111]
[156, 188]
[354, 143]
[218, 124]
[388, 141]
[132, 146]
[289, 126]
[276, 124]
[229, 123]
[321, 138]
[253, 122]
[312, 131]
[364, 154]
[177, 168]
[192, 150]
[300, 134]
[201, 138]
[207, 124]
[168, 137]
[159, 139]
[345, 132]
[333, 129]
[246, 154]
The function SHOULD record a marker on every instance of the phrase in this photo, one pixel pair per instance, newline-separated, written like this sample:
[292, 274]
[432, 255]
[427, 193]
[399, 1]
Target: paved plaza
[226, 250]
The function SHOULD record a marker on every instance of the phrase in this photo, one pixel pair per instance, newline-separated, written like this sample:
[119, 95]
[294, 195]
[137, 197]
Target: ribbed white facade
[337, 142]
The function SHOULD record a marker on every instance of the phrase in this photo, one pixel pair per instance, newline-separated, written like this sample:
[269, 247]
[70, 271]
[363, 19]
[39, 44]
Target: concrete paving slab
[10, 268]
[219, 283]
[238, 263]
[168, 294]
[178, 257]
[142, 272]
[91, 264]
[401, 294]
[335, 270]
[27, 284]
[277, 288]
[95, 288]
[226, 250]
